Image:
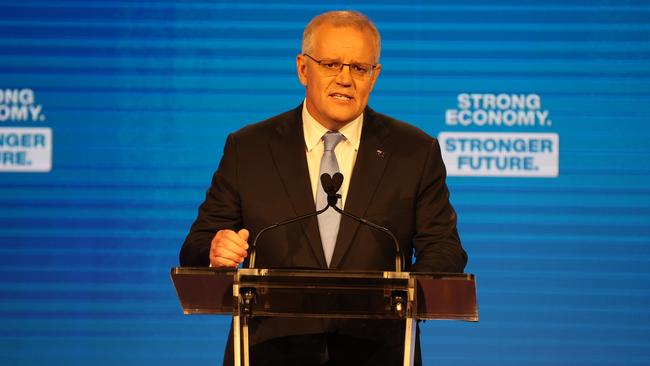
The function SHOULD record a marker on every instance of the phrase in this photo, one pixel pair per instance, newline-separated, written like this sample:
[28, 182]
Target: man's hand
[228, 248]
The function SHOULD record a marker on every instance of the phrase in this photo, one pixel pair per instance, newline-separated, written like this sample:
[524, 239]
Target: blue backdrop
[113, 117]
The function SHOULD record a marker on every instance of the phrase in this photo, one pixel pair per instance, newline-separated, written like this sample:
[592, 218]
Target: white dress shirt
[345, 151]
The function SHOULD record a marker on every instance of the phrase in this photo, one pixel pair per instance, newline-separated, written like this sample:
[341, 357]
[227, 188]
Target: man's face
[336, 100]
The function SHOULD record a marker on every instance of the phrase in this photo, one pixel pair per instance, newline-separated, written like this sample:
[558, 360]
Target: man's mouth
[340, 96]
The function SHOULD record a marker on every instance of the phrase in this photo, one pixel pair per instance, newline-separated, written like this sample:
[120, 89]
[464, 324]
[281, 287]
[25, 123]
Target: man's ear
[375, 75]
[301, 68]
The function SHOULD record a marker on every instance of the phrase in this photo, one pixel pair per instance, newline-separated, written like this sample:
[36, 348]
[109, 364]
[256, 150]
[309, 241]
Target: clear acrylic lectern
[245, 293]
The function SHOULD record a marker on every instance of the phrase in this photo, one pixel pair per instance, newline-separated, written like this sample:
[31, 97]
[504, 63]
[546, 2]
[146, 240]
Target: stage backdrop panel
[113, 116]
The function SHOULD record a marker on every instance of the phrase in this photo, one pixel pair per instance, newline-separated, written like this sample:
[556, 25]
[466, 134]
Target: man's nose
[344, 76]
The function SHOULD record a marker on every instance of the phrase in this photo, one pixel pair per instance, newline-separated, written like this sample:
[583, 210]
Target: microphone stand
[330, 185]
[251, 262]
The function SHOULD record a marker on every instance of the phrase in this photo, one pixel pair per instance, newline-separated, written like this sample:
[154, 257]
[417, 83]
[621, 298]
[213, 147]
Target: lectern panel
[324, 294]
[439, 296]
[204, 290]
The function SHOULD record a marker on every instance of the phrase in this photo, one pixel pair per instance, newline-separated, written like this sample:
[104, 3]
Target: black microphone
[337, 181]
[326, 181]
[334, 185]
[331, 186]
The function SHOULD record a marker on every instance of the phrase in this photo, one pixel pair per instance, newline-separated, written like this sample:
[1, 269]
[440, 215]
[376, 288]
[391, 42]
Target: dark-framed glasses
[358, 70]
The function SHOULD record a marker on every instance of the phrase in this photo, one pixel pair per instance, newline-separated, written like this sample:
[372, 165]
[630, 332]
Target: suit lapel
[369, 166]
[288, 151]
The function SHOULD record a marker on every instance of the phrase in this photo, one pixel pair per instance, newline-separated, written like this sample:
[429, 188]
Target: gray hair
[340, 18]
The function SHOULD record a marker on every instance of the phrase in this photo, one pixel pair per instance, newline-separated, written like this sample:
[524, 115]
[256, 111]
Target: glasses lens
[330, 67]
[361, 70]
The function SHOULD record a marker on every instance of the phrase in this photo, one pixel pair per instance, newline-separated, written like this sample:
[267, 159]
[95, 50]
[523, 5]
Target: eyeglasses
[333, 68]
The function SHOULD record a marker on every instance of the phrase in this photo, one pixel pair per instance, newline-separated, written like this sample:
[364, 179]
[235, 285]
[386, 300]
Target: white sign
[24, 149]
[490, 154]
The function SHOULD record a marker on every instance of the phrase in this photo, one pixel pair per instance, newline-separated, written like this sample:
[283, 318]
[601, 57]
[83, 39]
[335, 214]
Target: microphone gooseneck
[334, 184]
[326, 181]
[398, 252]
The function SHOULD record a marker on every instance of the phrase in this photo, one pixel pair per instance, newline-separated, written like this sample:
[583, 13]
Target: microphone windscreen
[326, 182]
[337, 181]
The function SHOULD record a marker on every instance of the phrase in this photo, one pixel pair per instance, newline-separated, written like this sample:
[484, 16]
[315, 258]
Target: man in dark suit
[394, 176]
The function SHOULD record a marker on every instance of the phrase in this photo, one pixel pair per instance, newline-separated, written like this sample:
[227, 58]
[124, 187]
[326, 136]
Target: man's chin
[343, 116]
[341, 121]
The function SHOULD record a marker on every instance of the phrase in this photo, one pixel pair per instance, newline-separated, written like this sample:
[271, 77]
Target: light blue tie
[328, 221]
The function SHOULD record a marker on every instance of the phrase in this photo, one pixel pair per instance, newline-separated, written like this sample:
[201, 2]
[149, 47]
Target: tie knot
[331, 139]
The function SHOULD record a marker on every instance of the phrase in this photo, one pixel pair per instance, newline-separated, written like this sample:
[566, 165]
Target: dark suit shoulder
[399, 130]
[268, 127]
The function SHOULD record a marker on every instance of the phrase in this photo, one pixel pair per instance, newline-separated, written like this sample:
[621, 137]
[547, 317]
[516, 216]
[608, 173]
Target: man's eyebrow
[351, 62]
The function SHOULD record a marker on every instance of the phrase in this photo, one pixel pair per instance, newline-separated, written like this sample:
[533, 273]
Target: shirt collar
[314, 131]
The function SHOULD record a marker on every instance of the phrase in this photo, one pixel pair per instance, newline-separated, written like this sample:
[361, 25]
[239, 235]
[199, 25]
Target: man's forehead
[353, 41]
[340, 28]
